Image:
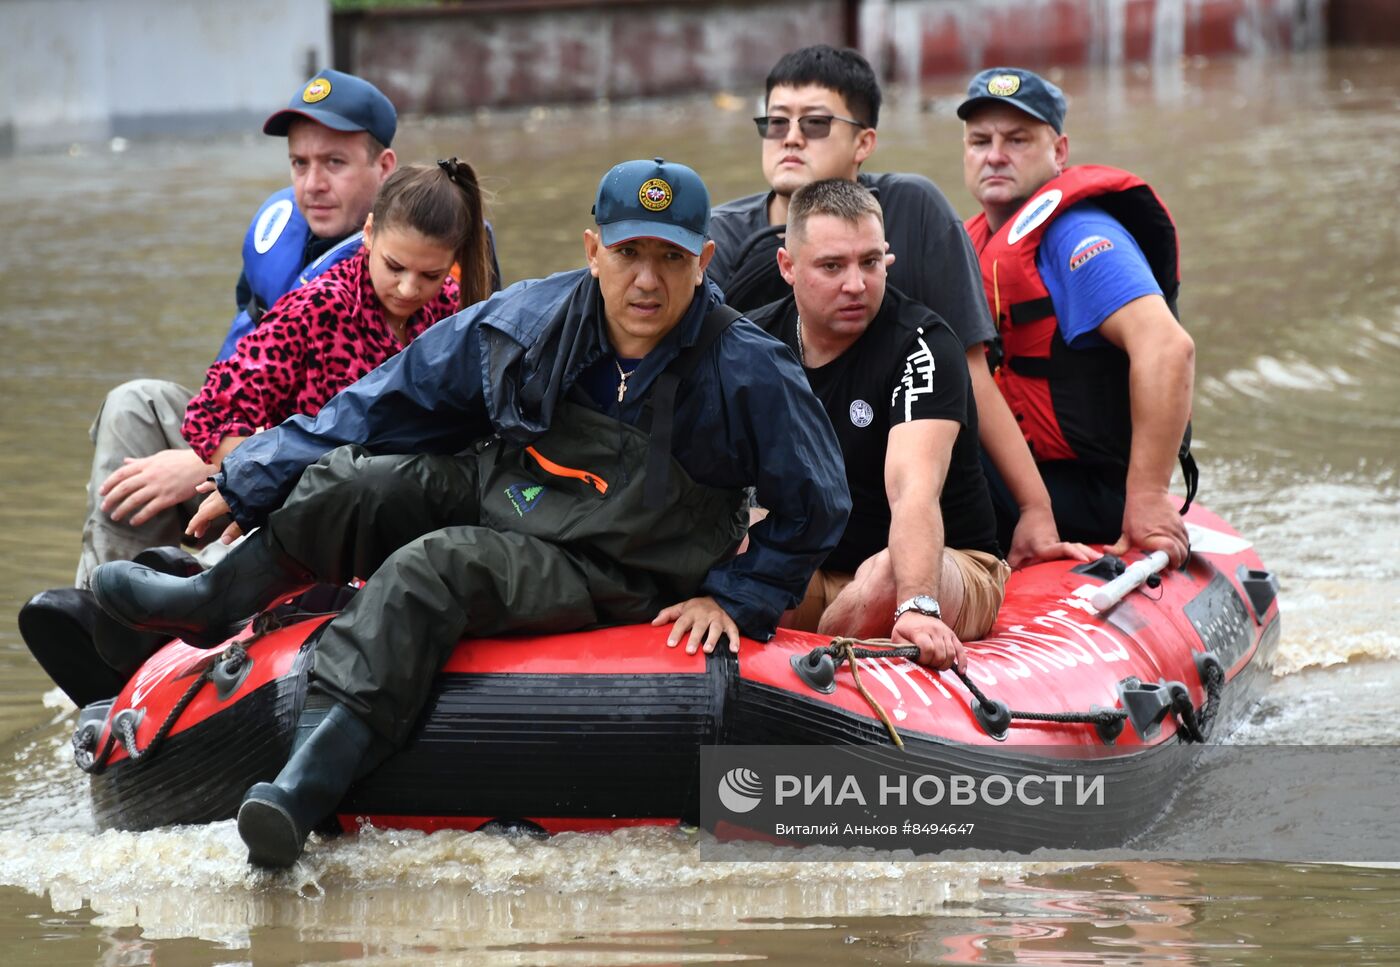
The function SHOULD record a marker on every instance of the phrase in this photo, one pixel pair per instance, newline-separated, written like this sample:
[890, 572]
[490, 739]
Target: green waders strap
[659, 413]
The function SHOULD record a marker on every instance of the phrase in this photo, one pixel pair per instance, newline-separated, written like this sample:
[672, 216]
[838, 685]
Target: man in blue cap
[1080, 267]
[612, 418]
[339, 129]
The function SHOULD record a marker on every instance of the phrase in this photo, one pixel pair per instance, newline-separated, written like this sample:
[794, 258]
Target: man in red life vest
[1080, 268]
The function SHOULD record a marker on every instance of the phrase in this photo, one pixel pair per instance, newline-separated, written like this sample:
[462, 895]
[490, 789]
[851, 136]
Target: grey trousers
[137, 419]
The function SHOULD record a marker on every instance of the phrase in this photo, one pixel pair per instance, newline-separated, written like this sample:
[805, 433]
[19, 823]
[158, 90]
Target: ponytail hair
[442, 202]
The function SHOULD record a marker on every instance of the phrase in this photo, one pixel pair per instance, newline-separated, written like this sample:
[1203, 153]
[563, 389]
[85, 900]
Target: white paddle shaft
[1137, 572]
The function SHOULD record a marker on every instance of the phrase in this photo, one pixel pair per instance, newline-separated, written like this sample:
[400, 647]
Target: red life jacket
[1071, 404]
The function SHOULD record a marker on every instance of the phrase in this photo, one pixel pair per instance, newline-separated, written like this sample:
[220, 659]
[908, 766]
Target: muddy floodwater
[119, 261]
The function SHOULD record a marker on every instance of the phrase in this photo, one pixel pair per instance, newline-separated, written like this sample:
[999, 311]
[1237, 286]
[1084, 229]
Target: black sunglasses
[813, 126]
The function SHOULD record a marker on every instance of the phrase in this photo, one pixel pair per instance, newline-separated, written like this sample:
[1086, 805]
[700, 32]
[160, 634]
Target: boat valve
[1208, 667]
[817, 670]
[230, 671]
[1108, 724]
[994, 716]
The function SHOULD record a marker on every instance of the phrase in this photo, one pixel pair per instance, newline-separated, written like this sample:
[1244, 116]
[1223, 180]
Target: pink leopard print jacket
[312, 343]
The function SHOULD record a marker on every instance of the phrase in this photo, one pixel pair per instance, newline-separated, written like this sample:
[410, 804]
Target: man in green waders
[611, 418]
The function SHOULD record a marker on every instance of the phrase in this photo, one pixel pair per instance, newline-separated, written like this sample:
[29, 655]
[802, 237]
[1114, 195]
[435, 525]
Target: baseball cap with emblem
[653, 199]
[342, 102]
[1023, 89]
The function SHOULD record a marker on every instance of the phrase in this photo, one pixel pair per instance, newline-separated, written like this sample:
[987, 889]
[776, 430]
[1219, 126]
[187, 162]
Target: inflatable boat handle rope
[231, 658]
[125, 725]
[1195, 724]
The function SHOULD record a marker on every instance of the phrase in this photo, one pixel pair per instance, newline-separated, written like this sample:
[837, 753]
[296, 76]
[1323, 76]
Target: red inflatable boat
[601, 729]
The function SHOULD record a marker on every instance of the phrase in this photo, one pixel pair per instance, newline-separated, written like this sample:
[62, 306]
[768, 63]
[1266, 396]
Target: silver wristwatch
[921, 603]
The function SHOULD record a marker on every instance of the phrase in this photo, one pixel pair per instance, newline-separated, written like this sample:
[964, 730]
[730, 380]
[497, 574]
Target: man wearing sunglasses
[821, 110]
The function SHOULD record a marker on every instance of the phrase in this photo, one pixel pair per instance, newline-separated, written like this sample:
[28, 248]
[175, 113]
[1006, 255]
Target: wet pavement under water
[1281, 173]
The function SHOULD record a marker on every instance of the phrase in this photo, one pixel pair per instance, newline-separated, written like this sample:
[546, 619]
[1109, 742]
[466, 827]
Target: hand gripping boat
[602, 729]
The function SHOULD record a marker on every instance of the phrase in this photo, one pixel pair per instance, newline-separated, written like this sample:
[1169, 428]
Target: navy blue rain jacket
[744, 417]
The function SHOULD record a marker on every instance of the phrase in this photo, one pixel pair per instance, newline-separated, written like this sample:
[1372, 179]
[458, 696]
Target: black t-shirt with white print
[908, 365]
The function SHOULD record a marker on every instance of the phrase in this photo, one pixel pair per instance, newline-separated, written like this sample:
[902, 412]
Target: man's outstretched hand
[703, 620]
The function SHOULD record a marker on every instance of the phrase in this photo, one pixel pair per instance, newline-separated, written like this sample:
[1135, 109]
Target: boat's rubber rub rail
[994, 716]
[559, 744]
[124, 725]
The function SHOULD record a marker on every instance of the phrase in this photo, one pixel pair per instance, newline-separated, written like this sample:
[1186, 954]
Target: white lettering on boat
[873, 668]
[1014, 667]
[1049, 644]
[884, 670]
[1085, 634]
[906, 669]
[162, 666]
[1019, 650]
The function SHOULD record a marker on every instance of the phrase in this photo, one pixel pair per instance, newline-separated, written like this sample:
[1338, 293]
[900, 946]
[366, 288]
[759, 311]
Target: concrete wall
[529, 51]
[1364, 22]
[502, 52]
[81, 70]
[917, 39]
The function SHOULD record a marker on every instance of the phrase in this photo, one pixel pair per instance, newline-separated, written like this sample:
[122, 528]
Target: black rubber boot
[60, 628]
[208, 608]
[276, 817]
[124, 649]
[170, 560]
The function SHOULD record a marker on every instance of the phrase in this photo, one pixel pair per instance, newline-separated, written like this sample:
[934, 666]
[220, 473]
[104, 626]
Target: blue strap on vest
[337, 253]
[273, 249]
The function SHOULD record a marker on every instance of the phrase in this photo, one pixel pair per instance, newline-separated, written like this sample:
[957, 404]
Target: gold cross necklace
[622, 376]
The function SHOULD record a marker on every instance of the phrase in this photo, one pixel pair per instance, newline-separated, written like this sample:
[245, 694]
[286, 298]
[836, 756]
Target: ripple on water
[194, 881]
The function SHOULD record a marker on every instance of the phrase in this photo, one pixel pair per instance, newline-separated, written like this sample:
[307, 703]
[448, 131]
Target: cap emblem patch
[1004, 85]
[655, 195]
[318, 90]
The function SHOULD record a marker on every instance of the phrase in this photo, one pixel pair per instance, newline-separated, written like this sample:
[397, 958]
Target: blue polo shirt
[1092, 267]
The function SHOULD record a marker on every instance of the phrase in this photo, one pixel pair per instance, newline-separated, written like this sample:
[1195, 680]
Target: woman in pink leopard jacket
[318, 339]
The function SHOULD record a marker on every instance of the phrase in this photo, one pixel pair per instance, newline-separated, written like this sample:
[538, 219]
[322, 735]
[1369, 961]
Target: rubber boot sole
[271, 834]
[59, 627]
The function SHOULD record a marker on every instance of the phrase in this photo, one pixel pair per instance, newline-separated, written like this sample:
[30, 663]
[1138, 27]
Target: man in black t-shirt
[821, 109]
[918, 560]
